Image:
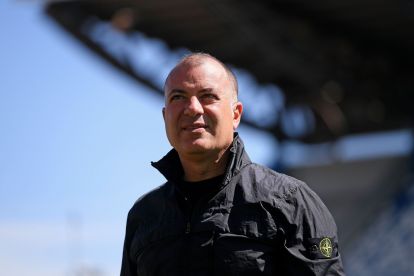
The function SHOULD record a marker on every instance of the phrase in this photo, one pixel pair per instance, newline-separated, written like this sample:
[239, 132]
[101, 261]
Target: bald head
[197, 59]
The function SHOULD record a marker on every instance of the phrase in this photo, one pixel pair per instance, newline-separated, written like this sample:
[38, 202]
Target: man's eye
[209, 96]
[176, 97]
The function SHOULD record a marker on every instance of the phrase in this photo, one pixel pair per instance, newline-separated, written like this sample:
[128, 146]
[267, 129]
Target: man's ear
[237, 113]
[163, 113]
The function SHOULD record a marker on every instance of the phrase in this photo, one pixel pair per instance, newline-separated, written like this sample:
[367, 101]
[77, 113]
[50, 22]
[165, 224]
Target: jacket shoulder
[149, 203]
[269, 182]
[286, 193]
[293, 198]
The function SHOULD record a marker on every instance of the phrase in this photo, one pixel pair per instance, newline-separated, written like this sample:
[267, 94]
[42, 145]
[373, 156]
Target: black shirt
[194, 191]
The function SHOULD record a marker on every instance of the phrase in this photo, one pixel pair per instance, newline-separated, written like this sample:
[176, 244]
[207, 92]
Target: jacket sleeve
[128, 267]
[311, 240]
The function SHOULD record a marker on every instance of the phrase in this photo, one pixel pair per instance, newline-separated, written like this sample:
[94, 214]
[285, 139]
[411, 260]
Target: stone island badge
[325, 246]
[321, 248]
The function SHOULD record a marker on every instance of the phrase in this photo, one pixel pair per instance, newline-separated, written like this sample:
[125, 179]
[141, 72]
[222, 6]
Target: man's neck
[197, 168]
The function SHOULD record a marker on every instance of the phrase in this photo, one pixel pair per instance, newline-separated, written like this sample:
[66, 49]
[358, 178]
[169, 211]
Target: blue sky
[76, 142]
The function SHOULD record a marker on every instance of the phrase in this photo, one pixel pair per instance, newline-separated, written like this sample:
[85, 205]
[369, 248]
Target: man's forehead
[206, 64]
[191, 72]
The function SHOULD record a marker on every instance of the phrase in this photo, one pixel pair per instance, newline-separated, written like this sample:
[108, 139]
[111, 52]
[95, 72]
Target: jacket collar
[170, 165]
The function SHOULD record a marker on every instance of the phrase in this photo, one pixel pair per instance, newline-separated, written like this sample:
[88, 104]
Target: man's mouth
[195, 127]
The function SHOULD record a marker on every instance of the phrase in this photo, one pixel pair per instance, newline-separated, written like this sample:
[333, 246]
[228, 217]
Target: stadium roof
[345, 67]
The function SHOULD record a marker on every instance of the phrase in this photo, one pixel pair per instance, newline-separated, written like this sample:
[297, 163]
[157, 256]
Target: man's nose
[194, 107]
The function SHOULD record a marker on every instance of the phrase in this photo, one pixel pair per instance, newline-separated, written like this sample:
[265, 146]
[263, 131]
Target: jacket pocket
[240, 255]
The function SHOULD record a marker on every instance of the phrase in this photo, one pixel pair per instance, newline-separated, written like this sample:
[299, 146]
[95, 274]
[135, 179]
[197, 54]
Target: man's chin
[196, 146]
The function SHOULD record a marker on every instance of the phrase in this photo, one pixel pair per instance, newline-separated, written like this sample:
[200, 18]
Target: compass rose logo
[325, 246]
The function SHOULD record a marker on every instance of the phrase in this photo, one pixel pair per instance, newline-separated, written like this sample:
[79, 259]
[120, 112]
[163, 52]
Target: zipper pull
[188, 228]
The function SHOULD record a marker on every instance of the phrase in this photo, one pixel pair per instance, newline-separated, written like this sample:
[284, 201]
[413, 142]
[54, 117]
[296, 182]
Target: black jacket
[259, 223]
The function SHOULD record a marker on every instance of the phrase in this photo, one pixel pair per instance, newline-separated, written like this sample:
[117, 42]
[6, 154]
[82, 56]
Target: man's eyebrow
[180, 91]
[176, 91]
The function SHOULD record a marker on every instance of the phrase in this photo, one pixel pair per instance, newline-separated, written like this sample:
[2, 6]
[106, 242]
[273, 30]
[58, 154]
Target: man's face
[200, 115]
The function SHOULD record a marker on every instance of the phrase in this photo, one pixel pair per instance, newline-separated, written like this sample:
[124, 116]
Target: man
[219, 213]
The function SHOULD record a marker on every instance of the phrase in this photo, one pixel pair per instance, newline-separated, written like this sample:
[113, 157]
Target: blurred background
[326, 87]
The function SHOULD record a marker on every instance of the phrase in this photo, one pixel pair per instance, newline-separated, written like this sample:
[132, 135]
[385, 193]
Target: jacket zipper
[188, 228]
[189, 215]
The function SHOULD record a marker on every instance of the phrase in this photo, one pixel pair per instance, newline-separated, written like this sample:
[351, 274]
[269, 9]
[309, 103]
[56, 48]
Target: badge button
[325, 246]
